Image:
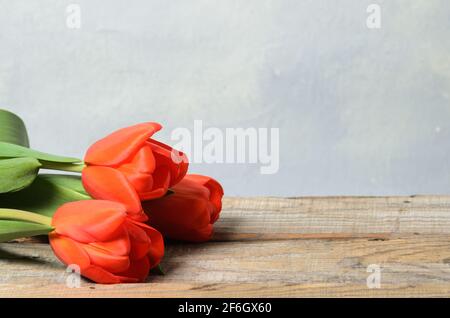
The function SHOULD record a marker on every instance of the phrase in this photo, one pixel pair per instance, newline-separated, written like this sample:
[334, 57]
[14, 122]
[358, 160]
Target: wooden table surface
[278, 247]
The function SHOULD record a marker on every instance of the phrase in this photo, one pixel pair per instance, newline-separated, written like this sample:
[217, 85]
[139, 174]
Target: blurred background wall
[360, 111]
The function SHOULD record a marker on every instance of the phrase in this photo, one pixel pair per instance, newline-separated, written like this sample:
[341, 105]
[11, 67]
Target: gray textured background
[360, 111]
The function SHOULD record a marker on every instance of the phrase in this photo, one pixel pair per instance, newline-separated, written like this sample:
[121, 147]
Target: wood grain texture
[321, 217]
[274, 247]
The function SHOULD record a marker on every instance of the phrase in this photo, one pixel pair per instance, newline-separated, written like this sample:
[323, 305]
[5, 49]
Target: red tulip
[128, 166]
[108, 246]
[189, 212]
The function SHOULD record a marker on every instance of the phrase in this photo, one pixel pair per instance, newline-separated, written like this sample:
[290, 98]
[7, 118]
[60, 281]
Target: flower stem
[19, 215]
[69, 167]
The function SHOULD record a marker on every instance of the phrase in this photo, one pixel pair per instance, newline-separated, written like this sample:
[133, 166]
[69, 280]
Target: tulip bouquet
[111, 214]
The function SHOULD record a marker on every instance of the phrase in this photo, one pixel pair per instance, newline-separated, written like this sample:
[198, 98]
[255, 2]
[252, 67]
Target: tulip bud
[189, 211]
[129, 166]
[104, 243]
[96, 236]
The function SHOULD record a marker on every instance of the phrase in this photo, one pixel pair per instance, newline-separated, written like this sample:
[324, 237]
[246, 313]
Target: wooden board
[278, 247]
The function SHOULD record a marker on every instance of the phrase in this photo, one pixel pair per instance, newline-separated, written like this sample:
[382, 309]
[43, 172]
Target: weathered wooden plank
[227, 290]
[413, 265]
[269, 247]
[328, 217]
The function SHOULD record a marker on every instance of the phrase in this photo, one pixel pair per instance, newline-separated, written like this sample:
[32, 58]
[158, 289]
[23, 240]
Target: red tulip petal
[109, 184]
[143, 161]
[161, 181]
[216, 198]
[139, 171]
[189, 187]
[142, 182]
[202, 235]
[109, 262]
[137, 270]
[188, 213]
[101, 276]
[152, 237]
[179, 215]
[120, 145]
[89, 220]
[73, 253]
[119, 246]
[165, 155]
[215, 190]
[139, 240]
[156, 252]
[68, 251]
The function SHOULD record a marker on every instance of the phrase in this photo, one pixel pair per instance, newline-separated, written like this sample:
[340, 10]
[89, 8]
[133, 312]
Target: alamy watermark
[374, 278]
[73, 16]
[373, 20]
[229, 146]
[73, 279]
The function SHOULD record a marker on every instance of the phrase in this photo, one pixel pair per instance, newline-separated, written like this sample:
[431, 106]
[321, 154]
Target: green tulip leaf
[18, 173]
[10, 229]
[12, 129]
[8, 150]
[46, 194]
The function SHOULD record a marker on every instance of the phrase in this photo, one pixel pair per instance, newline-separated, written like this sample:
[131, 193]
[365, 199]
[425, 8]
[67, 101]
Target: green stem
[69, 167]
[19, 215]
